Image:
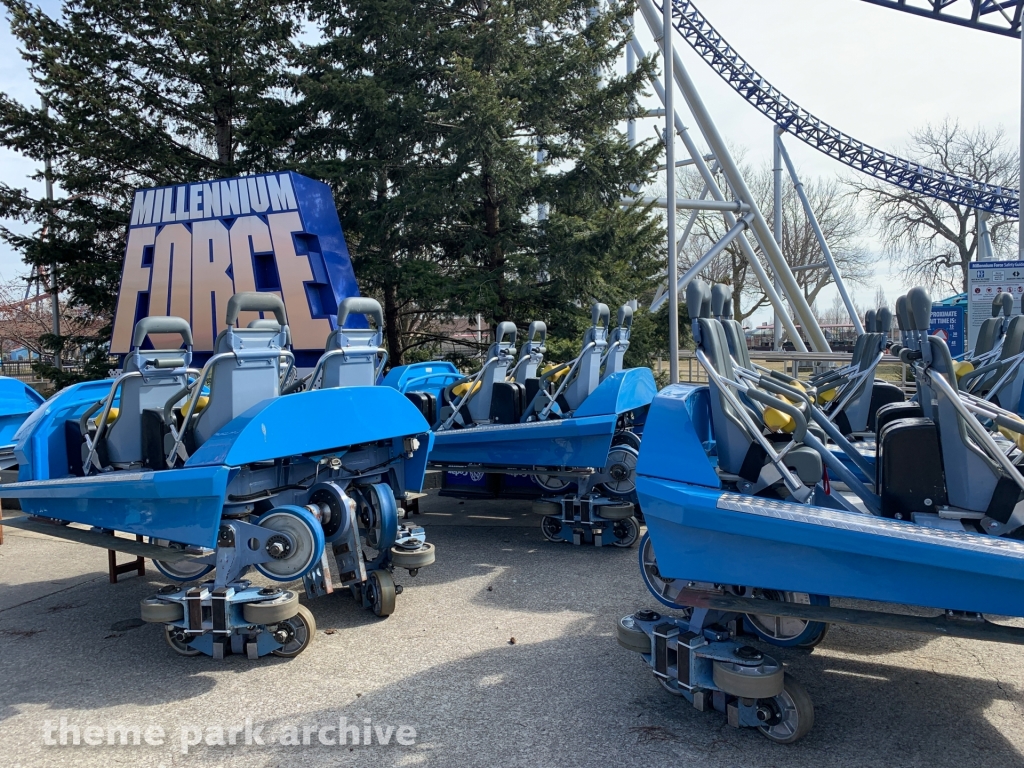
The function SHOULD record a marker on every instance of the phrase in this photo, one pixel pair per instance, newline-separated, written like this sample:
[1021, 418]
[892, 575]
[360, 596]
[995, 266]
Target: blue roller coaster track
[999, 16]
[789, 116]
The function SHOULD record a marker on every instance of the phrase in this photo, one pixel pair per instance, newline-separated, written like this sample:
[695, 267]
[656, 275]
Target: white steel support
[777, 226]
[670, 193]
[748, 250]
[820, 236]
[718, 147]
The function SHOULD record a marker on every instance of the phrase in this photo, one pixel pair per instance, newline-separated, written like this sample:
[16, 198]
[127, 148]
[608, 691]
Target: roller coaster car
[223, 475]
[579, 422]
[17, 402]
[729, 501]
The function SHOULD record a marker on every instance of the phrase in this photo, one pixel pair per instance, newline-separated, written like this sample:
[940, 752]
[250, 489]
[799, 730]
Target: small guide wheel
[551, 527]
[381, 593]
[413, 558]
[157, 611]
[625, 532]
[295, 634]
[279, 608]
[631, 637]
[179, 645]
[788, 716]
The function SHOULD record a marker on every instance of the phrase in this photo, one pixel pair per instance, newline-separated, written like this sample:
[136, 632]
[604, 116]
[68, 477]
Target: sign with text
[948, 322]
[192, 246]
[985, 281]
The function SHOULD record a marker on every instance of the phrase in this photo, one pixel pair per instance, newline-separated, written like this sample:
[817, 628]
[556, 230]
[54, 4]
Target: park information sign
[192, 246]
[985, 281]
[947, 321]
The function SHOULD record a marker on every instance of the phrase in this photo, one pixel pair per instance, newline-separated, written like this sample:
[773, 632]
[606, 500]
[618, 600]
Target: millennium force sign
[192, 246]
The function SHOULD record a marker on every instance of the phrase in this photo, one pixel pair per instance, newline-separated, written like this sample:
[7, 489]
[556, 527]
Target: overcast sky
[871, 72]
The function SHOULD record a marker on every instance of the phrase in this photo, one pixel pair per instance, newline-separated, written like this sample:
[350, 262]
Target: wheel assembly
[179, 642]
[185, 570]
[404, 557]
[381, 593]
[664, 589]
[282, 606]
[551, 527]
[377, 514]
[625, 533]
[552, 483]
[295, 634]
[621, 468]
[295, 548]
[788, 716]
[788, 632]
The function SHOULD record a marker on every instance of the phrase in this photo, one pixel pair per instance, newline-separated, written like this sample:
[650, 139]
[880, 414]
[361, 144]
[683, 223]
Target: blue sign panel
[948, 322]
[192, 246]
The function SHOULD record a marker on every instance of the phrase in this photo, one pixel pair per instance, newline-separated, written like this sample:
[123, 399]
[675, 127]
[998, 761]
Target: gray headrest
[1004, 302]
[720, 294]
[920, 304]
[625, 318]
[537, 328]
[883, 319]
[869, 321]
[256, 301]
[360, 305]
[698, 299]
[162, 324]
[506, 328]
[598, 313]
[902, 314]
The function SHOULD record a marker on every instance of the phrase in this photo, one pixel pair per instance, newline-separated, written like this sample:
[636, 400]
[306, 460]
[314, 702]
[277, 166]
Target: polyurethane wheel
[179, 647]
[787, 632]
[272, 611]
[626, 532]
[621, 466]
[551, 527]
[156, 611]
[416, 558]
[670, 688]
[382, 593]
[302, 628]
[548, 508]
[552, 483]
[182, 570]
[761, 682]
[631, 637]
[616, 511]
[791, 713]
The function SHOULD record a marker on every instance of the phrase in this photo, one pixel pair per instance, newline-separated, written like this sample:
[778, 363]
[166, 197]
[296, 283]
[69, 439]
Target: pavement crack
[50, 594]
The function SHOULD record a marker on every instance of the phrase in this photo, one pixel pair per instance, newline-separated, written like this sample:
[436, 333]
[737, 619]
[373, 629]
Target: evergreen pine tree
[478, 151]
[140, 94]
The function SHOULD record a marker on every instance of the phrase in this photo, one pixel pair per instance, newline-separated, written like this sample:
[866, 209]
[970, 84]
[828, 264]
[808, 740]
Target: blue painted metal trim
[785, 113]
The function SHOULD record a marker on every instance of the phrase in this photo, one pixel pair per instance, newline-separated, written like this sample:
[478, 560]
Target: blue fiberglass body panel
[320, 421]
[700, 533]
[17, 402]
[423, 377]
[182, 505]
[621, 392]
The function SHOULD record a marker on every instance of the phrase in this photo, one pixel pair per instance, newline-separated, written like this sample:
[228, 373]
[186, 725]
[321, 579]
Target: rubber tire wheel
[156, 611]
[552, 521]
[745, 686]
[179, 648]
[273, 611]
[384, 591]
[631, 637]
[617, 511]
[804, 708]
[634, 535]
[305, 617]
[418, 558]
[546, 508]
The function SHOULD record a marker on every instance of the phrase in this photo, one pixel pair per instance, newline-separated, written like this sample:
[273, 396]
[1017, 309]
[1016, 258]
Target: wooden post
[114, 570]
